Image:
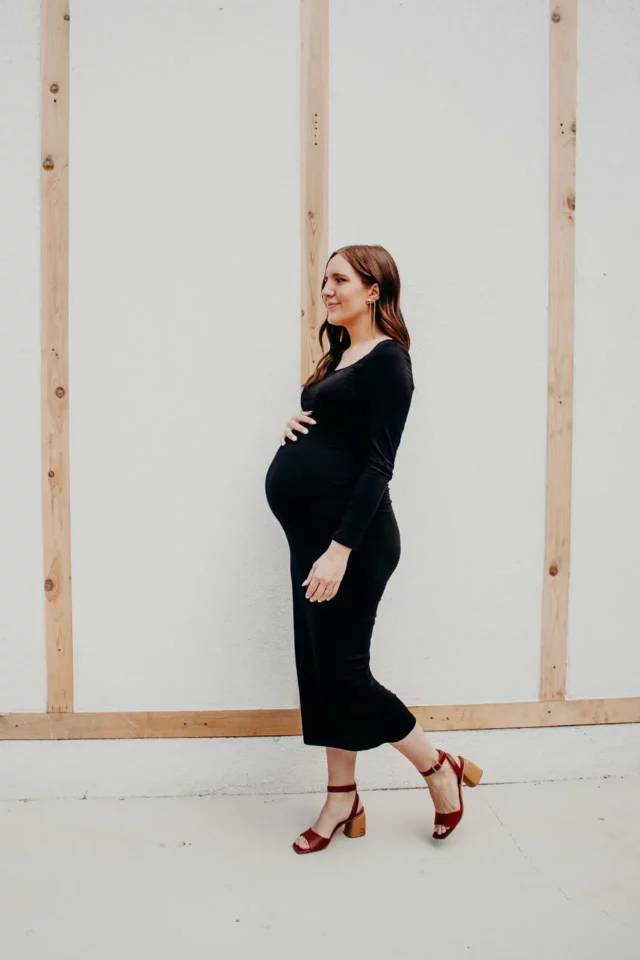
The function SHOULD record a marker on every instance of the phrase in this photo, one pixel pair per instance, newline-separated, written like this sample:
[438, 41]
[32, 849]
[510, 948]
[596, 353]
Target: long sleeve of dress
[388, 388]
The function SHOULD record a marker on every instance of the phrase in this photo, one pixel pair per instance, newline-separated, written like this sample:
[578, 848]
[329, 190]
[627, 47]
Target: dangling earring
[372, 315]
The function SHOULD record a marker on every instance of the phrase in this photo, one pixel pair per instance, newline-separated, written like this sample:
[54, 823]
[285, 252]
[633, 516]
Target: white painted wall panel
[185, 332]
[185, 326]
[604, 619]
[22, 626]
[439, 152]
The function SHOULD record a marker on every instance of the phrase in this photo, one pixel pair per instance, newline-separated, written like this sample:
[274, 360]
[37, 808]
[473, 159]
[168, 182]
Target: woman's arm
[388, 387]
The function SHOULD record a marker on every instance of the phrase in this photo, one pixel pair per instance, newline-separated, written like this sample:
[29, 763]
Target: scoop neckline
[368, 353]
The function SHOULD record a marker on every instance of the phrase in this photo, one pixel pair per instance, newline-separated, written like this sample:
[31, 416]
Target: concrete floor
[543, 870]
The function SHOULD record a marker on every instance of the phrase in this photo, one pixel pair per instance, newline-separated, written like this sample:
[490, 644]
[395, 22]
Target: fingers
[288, 432]
[328, 593]
[295, 423]
[319, 590]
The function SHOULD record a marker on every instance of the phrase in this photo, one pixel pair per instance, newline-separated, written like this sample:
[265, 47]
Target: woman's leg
[341, 770]
[443, 785]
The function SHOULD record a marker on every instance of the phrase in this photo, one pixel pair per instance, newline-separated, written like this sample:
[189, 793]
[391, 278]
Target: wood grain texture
[555, 600]
[286, 723]
[315, 176]
[54, 275]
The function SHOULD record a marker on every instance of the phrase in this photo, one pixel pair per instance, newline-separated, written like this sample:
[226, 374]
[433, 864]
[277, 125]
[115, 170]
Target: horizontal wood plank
[286, 723]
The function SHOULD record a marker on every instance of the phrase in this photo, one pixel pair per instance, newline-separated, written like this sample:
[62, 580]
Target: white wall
[184, 348]
[184, 328]
[439, 151]
[604, 616]
[22, 626]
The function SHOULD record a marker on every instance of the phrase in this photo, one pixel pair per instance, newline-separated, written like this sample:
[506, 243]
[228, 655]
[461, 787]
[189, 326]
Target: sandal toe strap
[311, 836]
[313, 839]
[447, 819]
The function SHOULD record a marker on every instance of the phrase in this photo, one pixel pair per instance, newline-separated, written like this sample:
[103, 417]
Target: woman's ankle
[429, 760]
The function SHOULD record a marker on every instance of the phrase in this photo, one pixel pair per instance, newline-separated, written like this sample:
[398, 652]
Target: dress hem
[371, 745]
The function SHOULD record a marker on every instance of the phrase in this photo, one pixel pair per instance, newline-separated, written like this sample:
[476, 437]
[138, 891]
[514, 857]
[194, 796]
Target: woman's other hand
[296, 423]
[326, 573]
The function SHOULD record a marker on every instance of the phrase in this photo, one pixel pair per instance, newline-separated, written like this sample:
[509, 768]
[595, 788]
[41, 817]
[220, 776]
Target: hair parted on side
[374, 264]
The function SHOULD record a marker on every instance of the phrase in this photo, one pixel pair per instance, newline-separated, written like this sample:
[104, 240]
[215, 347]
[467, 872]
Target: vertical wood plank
[555, 603]
[54, 305]
[315, 174]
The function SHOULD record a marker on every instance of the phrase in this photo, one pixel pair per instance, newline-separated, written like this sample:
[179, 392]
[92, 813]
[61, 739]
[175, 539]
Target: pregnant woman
[328, 488]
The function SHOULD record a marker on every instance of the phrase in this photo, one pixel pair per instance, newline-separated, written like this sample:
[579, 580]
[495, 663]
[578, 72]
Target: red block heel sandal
[464, 771]
[355, 825]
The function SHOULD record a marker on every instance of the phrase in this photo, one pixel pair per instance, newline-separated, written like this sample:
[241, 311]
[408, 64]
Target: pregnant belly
[311, 473]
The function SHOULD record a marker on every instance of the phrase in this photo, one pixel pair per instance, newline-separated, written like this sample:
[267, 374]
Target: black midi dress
[332, 484]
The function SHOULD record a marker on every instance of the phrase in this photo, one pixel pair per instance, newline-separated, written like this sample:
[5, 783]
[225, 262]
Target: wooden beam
[315, 176]
[555, 600]
[286, 723]
[54, 305]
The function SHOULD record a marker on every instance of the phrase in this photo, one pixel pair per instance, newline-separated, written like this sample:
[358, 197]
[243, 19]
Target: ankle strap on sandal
[342, 789]
[442, 756]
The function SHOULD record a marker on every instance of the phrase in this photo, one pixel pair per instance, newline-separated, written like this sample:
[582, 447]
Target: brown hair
[373, 264]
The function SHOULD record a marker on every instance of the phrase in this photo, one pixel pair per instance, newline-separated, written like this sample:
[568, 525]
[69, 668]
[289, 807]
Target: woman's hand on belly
[327, 572]
[295, 423]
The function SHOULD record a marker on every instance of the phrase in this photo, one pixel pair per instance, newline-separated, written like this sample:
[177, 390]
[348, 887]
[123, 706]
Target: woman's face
[343, 292]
